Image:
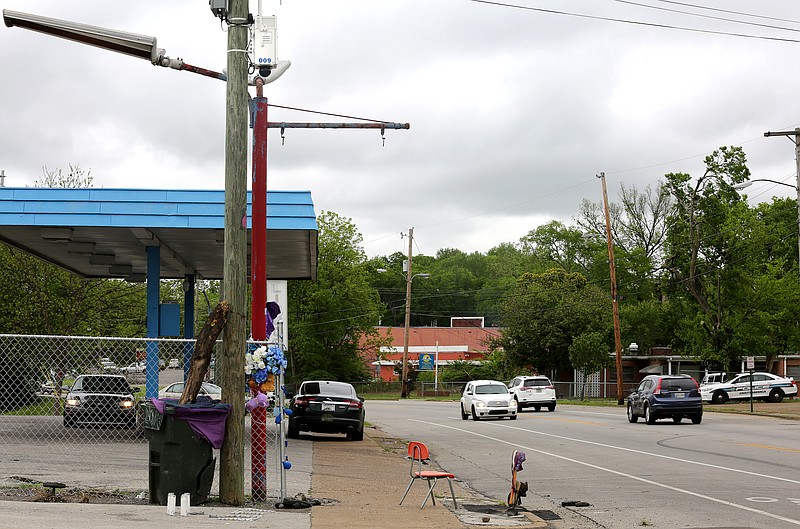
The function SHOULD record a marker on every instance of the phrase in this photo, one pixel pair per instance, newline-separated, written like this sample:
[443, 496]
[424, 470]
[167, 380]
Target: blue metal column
[188, 323]
[153, 299]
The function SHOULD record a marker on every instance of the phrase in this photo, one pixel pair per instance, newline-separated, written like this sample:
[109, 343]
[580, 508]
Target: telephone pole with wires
[796, 141]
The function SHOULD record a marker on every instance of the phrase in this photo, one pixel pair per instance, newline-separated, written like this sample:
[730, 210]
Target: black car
[100, 400]
[325, 406]
[662, 396]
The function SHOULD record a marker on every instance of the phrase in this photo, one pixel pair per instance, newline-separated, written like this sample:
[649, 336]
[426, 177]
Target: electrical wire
[696, 6]
[636, 22]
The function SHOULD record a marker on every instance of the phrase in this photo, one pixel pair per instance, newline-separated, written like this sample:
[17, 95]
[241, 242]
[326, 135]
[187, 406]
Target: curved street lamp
[797, 190]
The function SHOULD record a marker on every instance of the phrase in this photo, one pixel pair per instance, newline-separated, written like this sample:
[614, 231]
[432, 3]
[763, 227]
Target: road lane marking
[623, 474]
[769, 447]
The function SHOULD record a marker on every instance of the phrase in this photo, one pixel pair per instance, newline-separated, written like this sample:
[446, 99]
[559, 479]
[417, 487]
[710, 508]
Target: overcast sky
[513, 111]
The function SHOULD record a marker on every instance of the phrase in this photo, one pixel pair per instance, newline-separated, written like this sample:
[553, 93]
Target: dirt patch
[788, 409]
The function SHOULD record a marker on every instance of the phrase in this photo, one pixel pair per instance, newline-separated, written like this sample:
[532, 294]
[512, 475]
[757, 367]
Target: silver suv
[533, 391]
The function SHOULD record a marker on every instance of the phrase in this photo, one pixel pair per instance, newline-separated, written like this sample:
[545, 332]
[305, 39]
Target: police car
[766, 386]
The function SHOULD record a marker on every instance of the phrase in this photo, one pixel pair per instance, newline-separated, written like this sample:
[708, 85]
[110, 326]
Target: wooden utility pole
[234, 338]
[614, 305]
[409, 278]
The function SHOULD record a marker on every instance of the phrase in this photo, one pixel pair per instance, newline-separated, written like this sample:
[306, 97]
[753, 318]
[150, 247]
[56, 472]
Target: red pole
[258, 273]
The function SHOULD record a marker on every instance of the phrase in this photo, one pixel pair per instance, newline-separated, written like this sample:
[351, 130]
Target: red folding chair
[418, 454]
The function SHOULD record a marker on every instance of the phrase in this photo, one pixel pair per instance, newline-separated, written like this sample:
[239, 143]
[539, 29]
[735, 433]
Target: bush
[18, 383]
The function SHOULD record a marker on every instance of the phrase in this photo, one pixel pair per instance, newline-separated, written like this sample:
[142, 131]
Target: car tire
[677, 419]
[293, 432]
[551, 407]
[513, 417]
[356, 436]
[697, 418]
[776, 395]
[537, 408]
[649, 418]
[632, 417]
[464, 415]
[719, 397]
[474, 415]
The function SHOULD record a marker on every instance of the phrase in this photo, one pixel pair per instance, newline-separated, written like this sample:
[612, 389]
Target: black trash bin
[180, 459]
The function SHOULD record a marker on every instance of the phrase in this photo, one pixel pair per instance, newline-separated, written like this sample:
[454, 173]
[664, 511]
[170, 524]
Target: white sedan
[766, 386]
[487, 398]
[174, 391]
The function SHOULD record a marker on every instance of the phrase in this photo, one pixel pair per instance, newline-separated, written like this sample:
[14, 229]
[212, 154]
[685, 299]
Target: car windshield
[678, 384]
[491, 389]
[327, 388]
[104, 385]
[536, 382]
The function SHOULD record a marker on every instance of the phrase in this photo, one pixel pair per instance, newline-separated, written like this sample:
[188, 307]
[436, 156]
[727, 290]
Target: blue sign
[426, 362]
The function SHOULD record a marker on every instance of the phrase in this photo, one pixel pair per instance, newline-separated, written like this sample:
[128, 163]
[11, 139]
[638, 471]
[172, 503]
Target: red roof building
[466, 341]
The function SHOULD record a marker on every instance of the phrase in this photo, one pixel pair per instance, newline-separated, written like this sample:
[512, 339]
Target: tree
[327, 318]
[544, 313]
[589, 353]
[75, 178]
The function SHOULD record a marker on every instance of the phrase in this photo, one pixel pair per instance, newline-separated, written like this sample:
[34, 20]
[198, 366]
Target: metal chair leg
[450, 482]
[430, 493]
[407, 489]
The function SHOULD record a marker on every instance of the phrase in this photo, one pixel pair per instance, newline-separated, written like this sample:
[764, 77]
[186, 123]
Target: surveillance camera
[264, 71]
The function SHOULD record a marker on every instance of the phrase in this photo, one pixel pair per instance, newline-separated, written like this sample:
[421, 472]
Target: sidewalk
[360, 482]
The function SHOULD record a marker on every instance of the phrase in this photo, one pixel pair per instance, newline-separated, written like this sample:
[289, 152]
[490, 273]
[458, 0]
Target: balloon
[287, 464]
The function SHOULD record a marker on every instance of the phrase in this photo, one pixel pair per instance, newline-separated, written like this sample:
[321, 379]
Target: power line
[729, 11]
[637, 22]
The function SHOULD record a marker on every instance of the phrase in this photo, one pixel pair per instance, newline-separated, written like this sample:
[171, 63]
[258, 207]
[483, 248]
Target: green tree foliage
[544, 313]
[589, 353]
[327, 318]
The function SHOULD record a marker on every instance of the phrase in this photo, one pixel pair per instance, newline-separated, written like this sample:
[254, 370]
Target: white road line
[623, 474]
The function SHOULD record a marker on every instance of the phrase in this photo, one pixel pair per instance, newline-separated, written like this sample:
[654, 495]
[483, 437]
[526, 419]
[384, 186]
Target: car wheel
[356, 436]
[632, 417]
[537, 408]
[719, 397]
[293, 432]
[551, 407]
[776, 395]
[474, 415]
[697, 418]
[464, 415]
[677, 418]
[649, 418]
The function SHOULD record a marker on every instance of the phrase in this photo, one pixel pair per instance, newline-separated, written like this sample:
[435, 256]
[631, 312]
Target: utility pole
[796, 140]
[409, 278]
[234, 336]
[614, 305]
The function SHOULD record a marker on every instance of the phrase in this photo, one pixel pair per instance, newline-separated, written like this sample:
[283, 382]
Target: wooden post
[234, 338]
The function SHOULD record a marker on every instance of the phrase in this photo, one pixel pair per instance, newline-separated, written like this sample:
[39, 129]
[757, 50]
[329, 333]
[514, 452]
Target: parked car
[174, 391]
[174, 363]
[136, 367]
[533, 391]
[100, 400]
[666, 396]
[766, 386]
[324, 406]
[713, 378]
[487, 398]
[108, 366]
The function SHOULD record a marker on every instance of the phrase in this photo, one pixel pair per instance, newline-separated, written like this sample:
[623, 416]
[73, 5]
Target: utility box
[265, 42]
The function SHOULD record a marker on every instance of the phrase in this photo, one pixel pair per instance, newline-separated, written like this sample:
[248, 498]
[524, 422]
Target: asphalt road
[730, 471]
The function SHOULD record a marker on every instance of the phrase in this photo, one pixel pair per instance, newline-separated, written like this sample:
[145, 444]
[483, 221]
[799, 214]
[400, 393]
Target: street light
[796, 189]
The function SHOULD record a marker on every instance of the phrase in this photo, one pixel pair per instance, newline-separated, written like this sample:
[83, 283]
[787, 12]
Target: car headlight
[73, 402]
[126, 404]
[513, 403]
[479, 403]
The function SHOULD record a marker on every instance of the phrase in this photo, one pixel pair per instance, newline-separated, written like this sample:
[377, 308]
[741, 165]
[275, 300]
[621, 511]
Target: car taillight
[354, 404]
[658, 388]
[301, 401]
[550, 387]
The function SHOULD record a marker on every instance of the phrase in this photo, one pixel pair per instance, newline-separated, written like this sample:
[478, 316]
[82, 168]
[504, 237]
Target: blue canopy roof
[100, 232]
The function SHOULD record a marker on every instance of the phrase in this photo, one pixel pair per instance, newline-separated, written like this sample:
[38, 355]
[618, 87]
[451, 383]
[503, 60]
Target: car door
[637, 397]
[741, 387]
[467, 396]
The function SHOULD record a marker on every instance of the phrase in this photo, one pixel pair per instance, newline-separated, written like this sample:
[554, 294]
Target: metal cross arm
[286, 125]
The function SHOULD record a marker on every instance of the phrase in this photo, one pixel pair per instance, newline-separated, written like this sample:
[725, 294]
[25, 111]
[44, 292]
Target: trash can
[180, 457]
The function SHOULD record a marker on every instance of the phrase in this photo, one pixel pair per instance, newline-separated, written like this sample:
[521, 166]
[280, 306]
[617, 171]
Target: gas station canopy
[105, 232]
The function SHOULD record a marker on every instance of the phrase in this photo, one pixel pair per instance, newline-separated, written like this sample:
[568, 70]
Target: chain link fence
[96, 447]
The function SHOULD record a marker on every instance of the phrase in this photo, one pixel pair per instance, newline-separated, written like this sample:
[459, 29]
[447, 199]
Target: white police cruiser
[766, 386]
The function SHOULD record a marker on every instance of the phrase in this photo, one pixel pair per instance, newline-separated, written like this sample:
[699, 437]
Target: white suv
[533, 391]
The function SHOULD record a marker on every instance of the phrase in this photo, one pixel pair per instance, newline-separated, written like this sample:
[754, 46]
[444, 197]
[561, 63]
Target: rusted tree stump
[201, 358]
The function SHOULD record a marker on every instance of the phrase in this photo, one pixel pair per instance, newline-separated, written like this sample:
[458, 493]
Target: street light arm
[748, 183]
